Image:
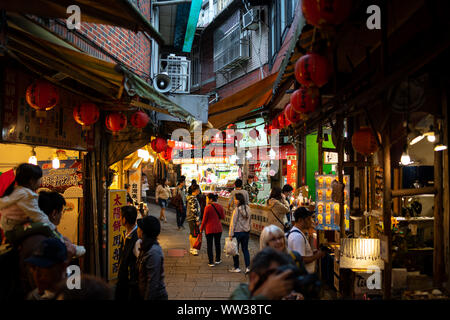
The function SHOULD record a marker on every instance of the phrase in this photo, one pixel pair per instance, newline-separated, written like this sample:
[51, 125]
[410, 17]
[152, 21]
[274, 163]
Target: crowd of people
[35, 256]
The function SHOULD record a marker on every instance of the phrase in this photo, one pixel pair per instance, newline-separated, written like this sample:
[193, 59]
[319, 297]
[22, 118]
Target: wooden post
[340, 168]
[387, 200]
[320, 143]
[438, 253]
[372, 197]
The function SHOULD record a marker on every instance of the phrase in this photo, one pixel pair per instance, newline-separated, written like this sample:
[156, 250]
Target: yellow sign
[116, 200]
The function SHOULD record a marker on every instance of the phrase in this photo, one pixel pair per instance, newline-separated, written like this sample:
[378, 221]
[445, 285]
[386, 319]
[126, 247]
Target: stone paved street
[189, 277]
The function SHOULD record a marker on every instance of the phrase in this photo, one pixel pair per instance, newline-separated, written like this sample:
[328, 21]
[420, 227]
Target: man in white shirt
[298, 238]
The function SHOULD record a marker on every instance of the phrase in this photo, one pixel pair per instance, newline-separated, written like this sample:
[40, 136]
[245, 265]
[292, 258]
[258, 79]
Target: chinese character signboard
[116, 200]
[327, 211]
[58, 129]
[135, 182]
[69, 174]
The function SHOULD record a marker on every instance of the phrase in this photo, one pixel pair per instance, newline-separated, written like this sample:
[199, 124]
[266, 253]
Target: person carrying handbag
[279, 207]
[240, 229]
[213, 227]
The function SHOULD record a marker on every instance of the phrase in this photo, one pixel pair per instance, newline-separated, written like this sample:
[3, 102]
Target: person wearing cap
[48, 265]
[150, 261]
[298, 238]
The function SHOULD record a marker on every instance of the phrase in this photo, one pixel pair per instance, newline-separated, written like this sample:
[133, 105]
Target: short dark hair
[240, 197]
[25, 173]
[183, 178]
[265, 257]
[127, 185]
[213, 196]
[250, 176]
[275, 193]
[301, 213]
[238, 183]
[193, 187]
[49, 201]
[287, 188]
[91, 288]
[129, 213]
[194, 182]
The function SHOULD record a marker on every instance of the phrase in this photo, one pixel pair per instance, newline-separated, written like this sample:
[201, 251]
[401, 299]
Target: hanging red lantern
[139, 119]
[171, 144]
[153, 144]
[254, 134]
[312, 70]
[238, 136]
[281, 120]
[305, 100]
[364, 141]
[275, 124]
[42, 96]
[290, 114]
[86, 114]
[160, 145]
[167, 154]
[116, 122]
[322, 13]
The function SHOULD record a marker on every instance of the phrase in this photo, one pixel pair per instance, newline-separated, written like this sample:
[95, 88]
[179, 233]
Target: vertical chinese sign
[116, 200]
[135, 182]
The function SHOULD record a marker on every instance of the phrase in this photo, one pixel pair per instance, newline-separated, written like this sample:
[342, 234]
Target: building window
[231, 44]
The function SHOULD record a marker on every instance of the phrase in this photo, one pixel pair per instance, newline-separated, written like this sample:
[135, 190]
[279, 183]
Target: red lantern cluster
[364, 141]
[167, 153]
[312, 70]
[321, 13]
[116, 122]
[42, 96]
[86, 114]
[139, 120]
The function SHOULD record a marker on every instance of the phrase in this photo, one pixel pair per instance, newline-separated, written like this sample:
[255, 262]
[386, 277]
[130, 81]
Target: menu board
[69, 174]
[327, 211]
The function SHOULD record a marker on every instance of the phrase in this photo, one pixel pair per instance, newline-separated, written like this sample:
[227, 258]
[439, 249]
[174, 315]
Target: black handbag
[286, 226]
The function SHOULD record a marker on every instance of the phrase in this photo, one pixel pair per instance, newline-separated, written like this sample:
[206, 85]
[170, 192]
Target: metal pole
[387, 200]
[170, 3]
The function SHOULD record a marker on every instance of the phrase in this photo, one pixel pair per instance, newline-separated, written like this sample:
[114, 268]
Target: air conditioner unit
[177, 69]
[250, 20]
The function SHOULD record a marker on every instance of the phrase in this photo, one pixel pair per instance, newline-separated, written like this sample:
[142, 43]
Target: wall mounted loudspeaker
[162, 83]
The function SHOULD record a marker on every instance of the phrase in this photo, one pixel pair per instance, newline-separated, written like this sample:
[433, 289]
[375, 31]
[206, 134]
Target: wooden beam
[387, 200]
[438, 252]
[413, 192]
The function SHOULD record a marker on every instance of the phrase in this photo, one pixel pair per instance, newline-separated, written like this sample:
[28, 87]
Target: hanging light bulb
[33, 159]
[431, 137]
[405, 159]
[417, 139]
[55, 162]
[248, 155]
[440, 147]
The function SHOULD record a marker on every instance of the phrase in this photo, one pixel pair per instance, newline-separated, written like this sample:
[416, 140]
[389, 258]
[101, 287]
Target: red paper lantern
[312, 70]
[42, 96]
[293, 116]
[364, 141]
[160, 145]
[116, 122]
[321, 13]
[171, 144]
[153, 144]
[281, 120]
[86, 114]
[305, 100]
[254, 134]
[167, 154]
[139, 119]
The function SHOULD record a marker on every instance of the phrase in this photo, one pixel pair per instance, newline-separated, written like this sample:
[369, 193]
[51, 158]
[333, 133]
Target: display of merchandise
[327, 211]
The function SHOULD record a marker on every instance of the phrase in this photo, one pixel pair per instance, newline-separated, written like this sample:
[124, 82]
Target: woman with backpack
[240, 229]
[279, 207]
[213, 227]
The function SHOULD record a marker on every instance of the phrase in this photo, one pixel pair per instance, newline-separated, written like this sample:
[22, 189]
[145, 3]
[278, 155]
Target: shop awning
[61, 63]
[120, 13]
[235, 106]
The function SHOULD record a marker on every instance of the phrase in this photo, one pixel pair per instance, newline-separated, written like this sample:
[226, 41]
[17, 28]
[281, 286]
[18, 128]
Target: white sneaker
[219, 262]
[247, 270]
[235, 270]
[211, 264]
[194, 252]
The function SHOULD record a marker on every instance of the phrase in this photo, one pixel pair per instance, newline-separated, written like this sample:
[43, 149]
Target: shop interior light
[431, 137]
[248, 155]
[143, 154]
[272, 154]
[152, 159]
[233, 158]
[417, 139]
[32, 159]
[136, 163]
[55, 162]
[440, 147]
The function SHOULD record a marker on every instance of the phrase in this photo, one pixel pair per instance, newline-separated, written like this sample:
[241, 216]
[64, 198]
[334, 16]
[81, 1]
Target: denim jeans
[209, 242]
[181, 216]
[242, 241]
